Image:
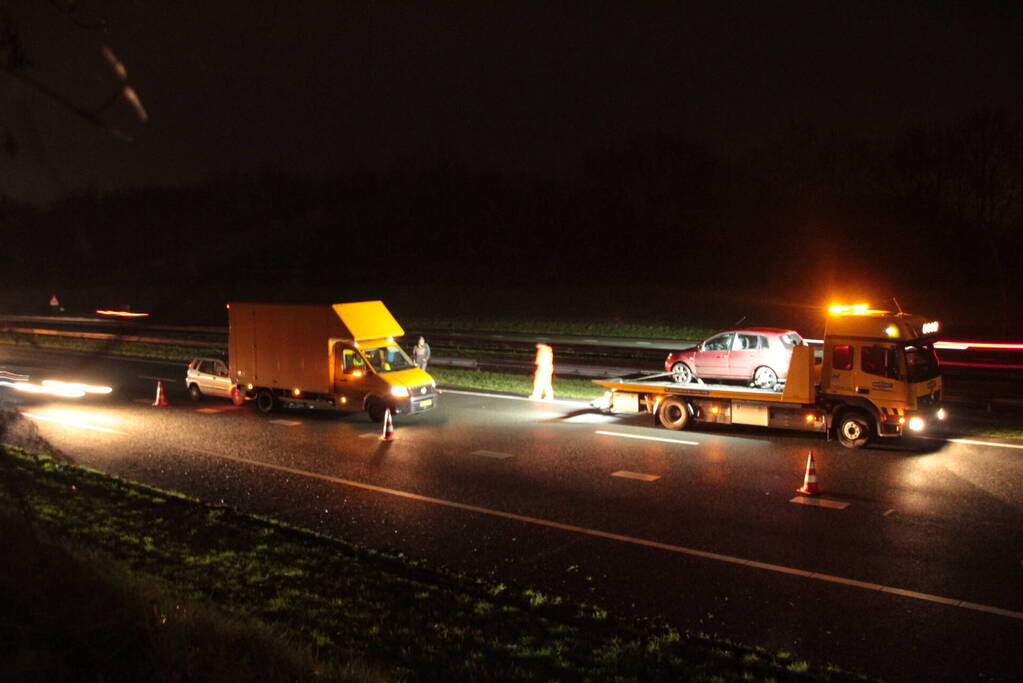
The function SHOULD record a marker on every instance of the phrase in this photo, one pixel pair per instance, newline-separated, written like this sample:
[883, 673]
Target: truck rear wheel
[674, 413]
[266, 402]
[854, 429]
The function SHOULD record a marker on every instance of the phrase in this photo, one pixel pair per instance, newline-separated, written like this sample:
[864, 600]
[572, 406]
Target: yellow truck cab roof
[861, 322]
[368, 320]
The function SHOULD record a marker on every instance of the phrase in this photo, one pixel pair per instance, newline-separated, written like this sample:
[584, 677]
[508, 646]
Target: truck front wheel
[375, 408]
[266, 402]
[674, 413]
[854, 429]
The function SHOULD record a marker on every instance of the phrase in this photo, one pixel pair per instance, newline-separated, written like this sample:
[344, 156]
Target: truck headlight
[942, 414]
[916, 424]
[399, 392]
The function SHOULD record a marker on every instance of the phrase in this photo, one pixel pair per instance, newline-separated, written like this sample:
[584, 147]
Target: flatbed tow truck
[877, 377]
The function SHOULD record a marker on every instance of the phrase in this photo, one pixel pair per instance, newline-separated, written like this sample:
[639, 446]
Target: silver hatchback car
[208, 377]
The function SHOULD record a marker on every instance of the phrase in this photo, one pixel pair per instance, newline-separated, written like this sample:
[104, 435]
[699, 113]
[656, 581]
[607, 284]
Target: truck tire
[375, 408]
[854, 429]
[674, 413]
[194, 392]
[266, 402]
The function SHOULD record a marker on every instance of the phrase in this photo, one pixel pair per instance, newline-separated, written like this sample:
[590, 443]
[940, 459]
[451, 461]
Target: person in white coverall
[542, 389]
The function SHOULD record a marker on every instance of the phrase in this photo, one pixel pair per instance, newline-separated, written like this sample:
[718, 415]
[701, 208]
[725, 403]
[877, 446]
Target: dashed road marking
[492, 454]
[626, 474]
[219, 409]
[161, 379]
[730, 559]
[286, 423]
[889, 512]
[820, 502]
[648, 438]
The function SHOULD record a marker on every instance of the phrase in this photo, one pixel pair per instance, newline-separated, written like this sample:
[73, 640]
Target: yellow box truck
[336, 356]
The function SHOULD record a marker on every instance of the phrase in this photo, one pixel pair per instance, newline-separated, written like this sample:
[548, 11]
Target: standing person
[542, 389]
[421, 354]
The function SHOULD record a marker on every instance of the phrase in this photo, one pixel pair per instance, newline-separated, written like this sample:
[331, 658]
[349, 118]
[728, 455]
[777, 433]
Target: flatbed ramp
[671, 388]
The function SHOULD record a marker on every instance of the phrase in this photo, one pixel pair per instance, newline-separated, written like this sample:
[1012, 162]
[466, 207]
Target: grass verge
[174, 589]
[564, 387]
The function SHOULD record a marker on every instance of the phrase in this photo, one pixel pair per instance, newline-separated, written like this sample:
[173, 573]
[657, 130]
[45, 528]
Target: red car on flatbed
[757, 355]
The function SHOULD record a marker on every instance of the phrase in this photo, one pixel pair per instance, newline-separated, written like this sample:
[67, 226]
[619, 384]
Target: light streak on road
[76, 386]
[31, 388]
[121, 314]
[72, 423]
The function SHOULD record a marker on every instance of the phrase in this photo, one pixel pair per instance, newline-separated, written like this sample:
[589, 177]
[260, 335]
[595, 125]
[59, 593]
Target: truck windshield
[388, 358]
[921, 362]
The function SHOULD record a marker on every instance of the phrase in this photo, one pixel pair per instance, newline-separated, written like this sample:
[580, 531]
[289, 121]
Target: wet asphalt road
[532, 495]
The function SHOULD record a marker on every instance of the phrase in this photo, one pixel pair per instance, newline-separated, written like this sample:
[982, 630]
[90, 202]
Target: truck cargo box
[288, 345]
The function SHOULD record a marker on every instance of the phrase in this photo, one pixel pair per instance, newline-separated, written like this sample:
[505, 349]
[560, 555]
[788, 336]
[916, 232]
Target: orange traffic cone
[388, 434]
[161, 400]
[809, 487]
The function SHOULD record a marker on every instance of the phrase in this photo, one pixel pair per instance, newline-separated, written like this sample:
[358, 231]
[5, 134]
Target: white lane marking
[648, 438]
[593, 341]
[286, 423]
[560, 402]
[219, 409]
[161, 379]
[682, 550]
[626, 474]
[971, 442]
[493, 454]
[70, 423]
[820, 502]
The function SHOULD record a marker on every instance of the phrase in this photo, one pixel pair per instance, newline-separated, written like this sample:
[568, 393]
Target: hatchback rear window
[791, 339]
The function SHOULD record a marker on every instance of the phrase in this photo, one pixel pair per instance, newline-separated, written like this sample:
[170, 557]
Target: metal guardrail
[580, 356]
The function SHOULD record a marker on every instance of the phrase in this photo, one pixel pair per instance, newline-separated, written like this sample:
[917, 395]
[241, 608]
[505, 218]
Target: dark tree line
[805, 207]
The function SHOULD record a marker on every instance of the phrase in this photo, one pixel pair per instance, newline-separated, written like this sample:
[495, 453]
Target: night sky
[519, 87]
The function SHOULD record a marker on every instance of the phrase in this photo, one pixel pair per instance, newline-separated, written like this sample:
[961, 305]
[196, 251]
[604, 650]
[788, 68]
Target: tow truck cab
[880, 365]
